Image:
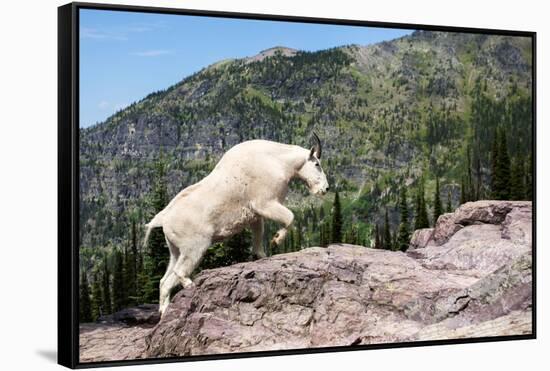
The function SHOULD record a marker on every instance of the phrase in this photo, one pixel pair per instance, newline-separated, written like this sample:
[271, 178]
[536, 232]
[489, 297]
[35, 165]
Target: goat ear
[317, 146]
[312, 152]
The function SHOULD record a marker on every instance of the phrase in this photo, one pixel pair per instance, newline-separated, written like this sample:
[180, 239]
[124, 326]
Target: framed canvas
[239, 185]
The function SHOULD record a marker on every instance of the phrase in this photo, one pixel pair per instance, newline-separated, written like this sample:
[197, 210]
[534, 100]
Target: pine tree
[377, 244]
[131, 266]
[449, 208]
[129, 278]
[289, 241]
[463, 196]
[298, 237]
[403, 234]
[477, 188]
[395, 240]
[421, 212]
[106, 287]
[119, 292]
[336, 235]
[517, 178]
[469, 186]
[97, 297]
[352, 235]
[322, 240]
[500, 167]
[387, 233]
[494, 164]
[438, 209]
[85, 306]
[504, 168]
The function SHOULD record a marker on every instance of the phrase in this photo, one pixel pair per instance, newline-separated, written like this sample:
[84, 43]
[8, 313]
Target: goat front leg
[278, 213]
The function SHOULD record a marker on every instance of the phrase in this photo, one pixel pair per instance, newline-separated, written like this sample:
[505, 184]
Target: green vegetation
[403, 238]
[438, 208]
[421, 212]
[85, 307]
[336, 235]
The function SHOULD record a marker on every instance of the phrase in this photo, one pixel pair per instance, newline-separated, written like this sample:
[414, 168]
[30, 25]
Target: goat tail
[154, 223]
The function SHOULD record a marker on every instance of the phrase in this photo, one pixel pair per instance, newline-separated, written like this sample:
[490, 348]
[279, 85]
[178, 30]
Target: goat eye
[317, 164]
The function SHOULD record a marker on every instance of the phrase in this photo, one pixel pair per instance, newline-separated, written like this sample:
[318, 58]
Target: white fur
[249, 183]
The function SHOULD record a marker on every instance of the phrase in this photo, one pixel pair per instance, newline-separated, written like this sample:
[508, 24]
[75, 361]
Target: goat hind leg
[190, 257]
[170, 280]
[257, 235]
[174, 254]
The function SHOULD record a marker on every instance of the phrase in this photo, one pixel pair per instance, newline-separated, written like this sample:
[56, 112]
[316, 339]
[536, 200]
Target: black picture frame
[68, 180]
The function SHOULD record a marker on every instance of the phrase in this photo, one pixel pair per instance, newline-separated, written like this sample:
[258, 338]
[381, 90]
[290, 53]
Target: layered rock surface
[472, 278]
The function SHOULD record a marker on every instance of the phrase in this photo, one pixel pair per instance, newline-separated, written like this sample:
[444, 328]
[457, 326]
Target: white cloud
[103, 105]
[119, 33]
[94, 33]
[153, 53]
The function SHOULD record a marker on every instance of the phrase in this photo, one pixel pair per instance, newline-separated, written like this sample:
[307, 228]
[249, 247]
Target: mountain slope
[387, 113]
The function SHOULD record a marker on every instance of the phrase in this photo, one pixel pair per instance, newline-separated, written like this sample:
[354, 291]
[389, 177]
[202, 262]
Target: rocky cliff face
[470, 277]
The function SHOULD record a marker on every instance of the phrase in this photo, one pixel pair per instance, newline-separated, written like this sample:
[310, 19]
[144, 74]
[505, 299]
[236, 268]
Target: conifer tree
[106, 287]
[504, 168]
[463, 196]
[336, 235]
[382, 241]
[477, 189]
[449, 207]
[395, 240]
[131, 265]
[494, 164]
[322, 240]
[517, 178]
[321, 214]
[387, 233]
[421, 212]
[377, 244]
[97, 297]
[292, 239]
[500, 167]
[119, 292]
[142, 279]
[129, 278]
[298, 236]
[403, 234]
[469, 186]
[437, 202]
[352, 235]
[85, 306]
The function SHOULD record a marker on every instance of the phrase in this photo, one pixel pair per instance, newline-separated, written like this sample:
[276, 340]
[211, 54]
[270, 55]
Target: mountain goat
[248, 185]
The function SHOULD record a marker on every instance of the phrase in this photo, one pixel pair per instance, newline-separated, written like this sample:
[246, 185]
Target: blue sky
[125, 55]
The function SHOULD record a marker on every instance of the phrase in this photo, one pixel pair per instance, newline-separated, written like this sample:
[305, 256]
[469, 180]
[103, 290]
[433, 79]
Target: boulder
[142, 314]
[420, 238]
[483, 212]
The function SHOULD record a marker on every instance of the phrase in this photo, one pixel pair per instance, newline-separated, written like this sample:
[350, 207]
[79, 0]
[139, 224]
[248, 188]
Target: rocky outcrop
[475, 283]
[420, 238]
[118, 336]
[479, 237]
[112, 341]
